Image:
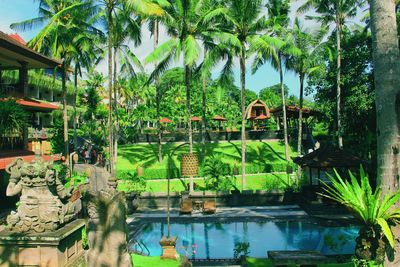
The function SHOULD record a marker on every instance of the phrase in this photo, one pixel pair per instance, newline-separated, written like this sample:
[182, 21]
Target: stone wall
[223, 199]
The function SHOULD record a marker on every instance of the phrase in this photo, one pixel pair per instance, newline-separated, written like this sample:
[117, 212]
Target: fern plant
[374, 210]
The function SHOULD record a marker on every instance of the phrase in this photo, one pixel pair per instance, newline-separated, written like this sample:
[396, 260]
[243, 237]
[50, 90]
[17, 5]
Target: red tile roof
[25, 155]
[33, 104]
[165, 120]
[36, 104]
[17, 38]
[196, 119]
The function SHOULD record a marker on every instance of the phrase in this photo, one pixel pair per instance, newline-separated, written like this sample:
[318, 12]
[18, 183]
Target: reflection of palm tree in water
[206, 241]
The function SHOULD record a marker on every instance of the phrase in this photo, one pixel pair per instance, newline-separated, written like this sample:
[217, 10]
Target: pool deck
[328, 215]
[270, 212]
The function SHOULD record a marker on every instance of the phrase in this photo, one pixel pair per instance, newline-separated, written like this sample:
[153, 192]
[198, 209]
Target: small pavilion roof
[14, 53]
[261, 117]
[196, 119]
[218, 118]
[165, 120]
[328, 156]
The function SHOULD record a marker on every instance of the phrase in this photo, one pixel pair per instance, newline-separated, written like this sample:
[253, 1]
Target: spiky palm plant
[375, 211]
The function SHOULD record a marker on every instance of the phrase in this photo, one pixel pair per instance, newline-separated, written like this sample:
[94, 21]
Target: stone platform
[62, 247]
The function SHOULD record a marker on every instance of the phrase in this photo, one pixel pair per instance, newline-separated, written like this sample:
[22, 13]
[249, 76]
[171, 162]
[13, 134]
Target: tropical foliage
[13, 119]
[370, 206]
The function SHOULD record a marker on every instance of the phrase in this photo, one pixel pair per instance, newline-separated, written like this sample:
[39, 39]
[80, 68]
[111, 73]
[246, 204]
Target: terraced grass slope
[262, 157]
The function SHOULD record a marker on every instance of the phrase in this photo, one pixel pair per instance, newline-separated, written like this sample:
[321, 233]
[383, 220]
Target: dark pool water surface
[218, 240]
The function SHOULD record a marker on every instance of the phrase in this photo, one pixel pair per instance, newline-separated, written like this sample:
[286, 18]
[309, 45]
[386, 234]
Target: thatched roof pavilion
[256, 109]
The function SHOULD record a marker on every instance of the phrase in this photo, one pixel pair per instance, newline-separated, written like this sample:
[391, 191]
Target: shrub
[374, 210]
[13, 118]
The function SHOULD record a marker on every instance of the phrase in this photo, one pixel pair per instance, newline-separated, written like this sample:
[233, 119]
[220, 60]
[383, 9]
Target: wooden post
[23, 84]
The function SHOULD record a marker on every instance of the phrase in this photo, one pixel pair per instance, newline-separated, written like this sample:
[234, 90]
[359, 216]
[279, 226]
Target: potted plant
[376, 212]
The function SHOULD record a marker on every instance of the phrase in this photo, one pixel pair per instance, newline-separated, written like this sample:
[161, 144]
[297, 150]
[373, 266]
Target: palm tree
[386, 72]
[278, 12]
[303, 64]
[184, 20]
[110, 6]
[86, 53]
[385, 45]
[243, 24]
[63, 21]
[336, 12]
[154, 27]
[126, 28]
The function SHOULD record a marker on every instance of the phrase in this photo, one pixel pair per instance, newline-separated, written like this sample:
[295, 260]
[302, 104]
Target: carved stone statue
[45, 204]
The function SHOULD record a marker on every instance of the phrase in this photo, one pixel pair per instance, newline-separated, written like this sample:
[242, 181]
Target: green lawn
[262, 157]
[147, 261]
[253, 262]
[254, 182]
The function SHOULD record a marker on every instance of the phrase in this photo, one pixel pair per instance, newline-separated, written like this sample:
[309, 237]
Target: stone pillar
[168, 245]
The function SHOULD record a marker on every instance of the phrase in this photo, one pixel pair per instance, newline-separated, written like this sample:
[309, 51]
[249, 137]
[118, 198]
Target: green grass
[253, 262]
[254, 182]
[262, 157]
[147, 261]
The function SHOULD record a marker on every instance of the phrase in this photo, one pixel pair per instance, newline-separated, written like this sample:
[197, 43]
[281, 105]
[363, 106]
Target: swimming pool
[213, 240]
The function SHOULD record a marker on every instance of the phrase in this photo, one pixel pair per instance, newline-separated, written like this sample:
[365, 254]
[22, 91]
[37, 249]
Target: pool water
[221, 240]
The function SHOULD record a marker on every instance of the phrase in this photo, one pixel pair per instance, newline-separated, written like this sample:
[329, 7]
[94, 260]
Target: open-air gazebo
[219, 119]
[195, 119]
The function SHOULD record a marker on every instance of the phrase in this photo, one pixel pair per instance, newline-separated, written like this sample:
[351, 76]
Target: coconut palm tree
[62, 21]
[386, 60]
[275, 48]
[126, 28]
[240, 34]
[154, 27]
[337, 13]
[184, 21]
[86, 53]
[303, 64]
[109, 9]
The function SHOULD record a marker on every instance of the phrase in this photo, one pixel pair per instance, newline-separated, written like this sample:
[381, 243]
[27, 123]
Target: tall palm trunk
[74, 106]
[65, 111]
[189, 116]
[387, 79]
[116, 123]
[338, 89]
[285, 130]
[299, 138]
[110, 88]
[203, 109]
[243, 103]
[158, 96]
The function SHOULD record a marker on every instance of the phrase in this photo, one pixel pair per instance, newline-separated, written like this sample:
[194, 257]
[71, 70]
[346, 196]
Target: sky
[18, 10]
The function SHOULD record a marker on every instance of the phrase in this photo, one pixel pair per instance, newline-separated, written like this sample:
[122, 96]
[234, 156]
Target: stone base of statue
[107, 229]
[62, 247]
[168, 245]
